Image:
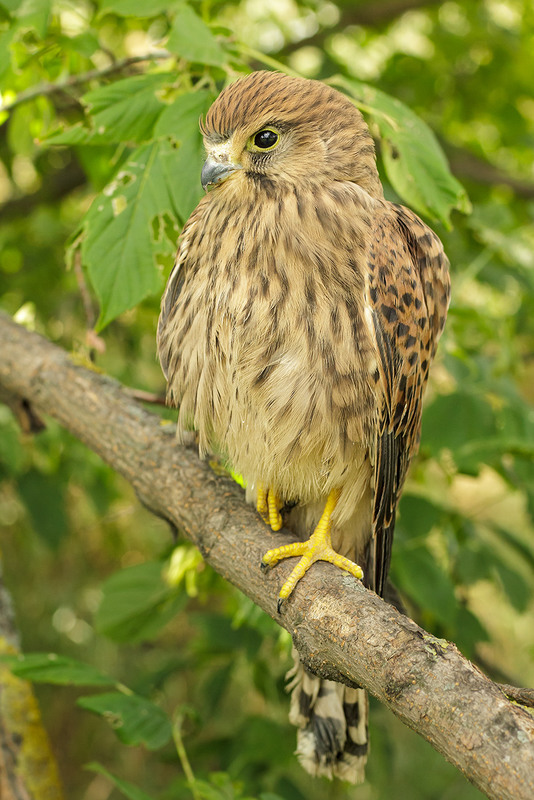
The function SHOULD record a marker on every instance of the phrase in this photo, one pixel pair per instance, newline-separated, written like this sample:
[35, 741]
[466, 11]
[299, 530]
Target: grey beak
[214, 172]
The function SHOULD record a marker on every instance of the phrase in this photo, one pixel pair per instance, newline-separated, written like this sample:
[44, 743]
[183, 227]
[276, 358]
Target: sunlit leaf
[191, 38]
[180, 121]
[136, 8]
[123, 111]
[123, 237]
[52, 668]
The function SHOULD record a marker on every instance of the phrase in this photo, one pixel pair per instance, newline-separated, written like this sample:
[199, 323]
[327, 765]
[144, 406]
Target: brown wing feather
[409, 295]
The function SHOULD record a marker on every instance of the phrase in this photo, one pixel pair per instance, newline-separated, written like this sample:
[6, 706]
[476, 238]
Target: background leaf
[51, 668]
[191, 38]
[137, 603]
[121, 231]
[124, 111]
[134, 719]
[128, 789]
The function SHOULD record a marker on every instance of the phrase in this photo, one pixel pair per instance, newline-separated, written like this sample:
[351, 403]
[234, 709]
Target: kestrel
[296, 334]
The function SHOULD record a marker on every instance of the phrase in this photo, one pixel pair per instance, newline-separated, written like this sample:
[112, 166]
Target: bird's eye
[266, 139]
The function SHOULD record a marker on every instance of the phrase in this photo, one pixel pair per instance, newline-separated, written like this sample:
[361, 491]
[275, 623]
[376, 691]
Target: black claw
[280, 604]
[264, 567]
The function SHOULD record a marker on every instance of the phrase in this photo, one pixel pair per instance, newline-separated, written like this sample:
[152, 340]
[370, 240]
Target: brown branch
[341, 630]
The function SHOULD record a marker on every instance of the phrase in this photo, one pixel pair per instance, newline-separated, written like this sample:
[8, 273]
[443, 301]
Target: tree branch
[341, 630]
[48, 89]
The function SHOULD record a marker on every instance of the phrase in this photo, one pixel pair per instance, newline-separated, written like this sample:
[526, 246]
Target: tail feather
[332, 739]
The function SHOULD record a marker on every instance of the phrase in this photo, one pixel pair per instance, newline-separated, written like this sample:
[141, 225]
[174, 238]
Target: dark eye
[265, 139]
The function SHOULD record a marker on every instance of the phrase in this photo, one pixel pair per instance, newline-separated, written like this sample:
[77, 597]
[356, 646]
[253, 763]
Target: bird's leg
[268, 506]
[317, 548]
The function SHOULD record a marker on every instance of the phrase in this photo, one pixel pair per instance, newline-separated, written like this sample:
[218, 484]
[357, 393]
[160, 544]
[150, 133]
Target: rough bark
[340, 629]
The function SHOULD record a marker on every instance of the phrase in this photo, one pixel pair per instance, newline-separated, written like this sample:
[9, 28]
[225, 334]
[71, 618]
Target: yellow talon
[261, 502]
[275, 518]
[317, 548]
[268, 506]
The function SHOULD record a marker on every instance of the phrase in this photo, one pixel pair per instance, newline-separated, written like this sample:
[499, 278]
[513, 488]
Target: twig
[47, 89]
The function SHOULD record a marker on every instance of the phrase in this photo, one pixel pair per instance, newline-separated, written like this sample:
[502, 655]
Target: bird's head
[268, 128]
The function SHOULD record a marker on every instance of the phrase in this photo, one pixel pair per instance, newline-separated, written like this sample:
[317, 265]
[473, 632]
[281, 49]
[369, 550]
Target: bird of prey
[296, 334]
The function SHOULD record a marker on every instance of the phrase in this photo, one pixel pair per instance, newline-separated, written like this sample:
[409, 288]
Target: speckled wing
[166, 350]
[408, 290]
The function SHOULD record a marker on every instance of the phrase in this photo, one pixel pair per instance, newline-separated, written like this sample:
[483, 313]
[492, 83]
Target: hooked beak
[214, 172]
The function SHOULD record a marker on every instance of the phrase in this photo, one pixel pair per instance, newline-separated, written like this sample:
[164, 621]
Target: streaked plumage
[296, 333]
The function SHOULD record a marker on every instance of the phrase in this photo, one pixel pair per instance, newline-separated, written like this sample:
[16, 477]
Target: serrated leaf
[51, 668]
[414, 161]
[137, 603]
[180, 122]
[122, 239]
[124, 111]
[134, 719]
[180, 119]
[191, 39]
[128, 789]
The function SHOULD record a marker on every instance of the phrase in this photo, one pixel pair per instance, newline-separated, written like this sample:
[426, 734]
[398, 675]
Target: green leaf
[125, 230]
[134, 719]
[51, 668]
[11, 452]
[5, 53]
[124, 111]
[515, 586]
[469, 631]
[180, 122]
[137, 603]
[31, 13]
[44, 499]
[128, 789]
[418, 516]
[136, 8]
[468, 418]
[414, 161]
[191, 39]
[417, 573]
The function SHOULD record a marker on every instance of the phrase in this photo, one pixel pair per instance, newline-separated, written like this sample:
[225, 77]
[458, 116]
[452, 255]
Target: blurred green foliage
[100, 159]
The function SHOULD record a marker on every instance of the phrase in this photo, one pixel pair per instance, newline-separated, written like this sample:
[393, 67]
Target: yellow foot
[268, 506]
[317, 548]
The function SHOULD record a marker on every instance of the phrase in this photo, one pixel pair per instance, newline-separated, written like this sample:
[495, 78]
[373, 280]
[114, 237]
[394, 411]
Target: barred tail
[332, 739]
